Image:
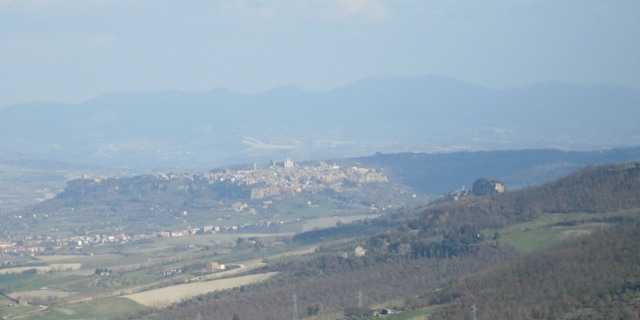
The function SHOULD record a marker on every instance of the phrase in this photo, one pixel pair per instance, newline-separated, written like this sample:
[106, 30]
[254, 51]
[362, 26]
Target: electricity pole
[473, 311]
[294, 316]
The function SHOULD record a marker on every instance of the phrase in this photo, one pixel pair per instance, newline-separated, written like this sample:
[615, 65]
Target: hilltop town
[224, 200]
[279, 179]
[287, 178]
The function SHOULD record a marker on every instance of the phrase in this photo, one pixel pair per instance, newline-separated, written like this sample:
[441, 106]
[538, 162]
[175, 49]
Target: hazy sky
[72, 50]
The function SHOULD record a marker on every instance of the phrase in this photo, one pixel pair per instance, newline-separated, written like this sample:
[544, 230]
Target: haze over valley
[320, 159]
[173, 130]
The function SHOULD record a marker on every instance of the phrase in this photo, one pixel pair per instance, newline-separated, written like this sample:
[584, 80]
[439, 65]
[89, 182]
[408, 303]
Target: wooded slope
[595, 277]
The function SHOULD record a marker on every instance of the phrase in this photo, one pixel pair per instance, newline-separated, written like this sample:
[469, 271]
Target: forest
[594, 277]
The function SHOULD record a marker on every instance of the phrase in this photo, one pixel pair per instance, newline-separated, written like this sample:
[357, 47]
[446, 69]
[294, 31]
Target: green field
[96, 309]
[552, 229]
[417, 314]
[17, 312]
[23, 282]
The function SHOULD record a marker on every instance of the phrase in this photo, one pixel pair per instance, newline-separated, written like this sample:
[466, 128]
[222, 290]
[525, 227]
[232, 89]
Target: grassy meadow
[552, 229]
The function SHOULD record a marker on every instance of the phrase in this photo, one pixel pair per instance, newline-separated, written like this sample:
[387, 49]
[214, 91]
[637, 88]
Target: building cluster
[288, 178]
[278, 179]
[39, 245]
[43, 245]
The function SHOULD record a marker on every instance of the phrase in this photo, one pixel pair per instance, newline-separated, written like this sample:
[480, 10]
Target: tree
[240, 242]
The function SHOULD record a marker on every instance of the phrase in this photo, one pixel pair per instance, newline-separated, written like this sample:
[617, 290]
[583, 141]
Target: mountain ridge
[390, 114]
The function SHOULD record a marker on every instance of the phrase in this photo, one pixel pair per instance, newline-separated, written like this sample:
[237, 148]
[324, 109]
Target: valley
[348, 228]
[319, 160]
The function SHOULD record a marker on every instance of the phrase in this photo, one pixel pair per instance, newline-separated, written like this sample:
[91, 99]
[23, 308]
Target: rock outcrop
[484, 187]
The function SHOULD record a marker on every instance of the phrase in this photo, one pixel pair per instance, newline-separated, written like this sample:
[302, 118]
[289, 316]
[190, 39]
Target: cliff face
[483, 187]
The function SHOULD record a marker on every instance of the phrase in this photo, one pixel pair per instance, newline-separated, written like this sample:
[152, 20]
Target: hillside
[172, 129]
[595, 277]
[258, 198]
[443, 256]
[277, 198]
[25, 181]
[594, 189]
[409, 257]
[438, 173]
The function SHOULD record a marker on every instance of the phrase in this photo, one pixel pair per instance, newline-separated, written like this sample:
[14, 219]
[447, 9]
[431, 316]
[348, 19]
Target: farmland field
[25, 282]
[18, 312]
[417, 314]
[40, 294]
[58, 267]
[70, 287]
[172, 294]
[88, 261]
[328, 222]
[96, 309]
[552, 229]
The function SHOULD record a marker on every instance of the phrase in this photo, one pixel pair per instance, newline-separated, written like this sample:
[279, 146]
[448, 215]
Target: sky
[72, 50]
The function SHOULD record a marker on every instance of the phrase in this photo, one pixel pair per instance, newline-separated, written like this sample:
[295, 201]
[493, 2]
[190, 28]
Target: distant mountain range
[171, 129]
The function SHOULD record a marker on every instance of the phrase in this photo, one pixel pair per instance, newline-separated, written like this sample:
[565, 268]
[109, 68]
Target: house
[360, 251]
[386, 311]
[215, 266]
